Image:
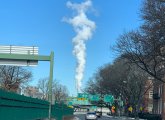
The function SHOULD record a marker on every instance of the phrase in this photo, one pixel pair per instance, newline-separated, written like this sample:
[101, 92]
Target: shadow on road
[70, 118]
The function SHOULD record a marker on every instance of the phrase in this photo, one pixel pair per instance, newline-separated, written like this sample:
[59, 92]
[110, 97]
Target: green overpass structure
[27, 56]
[89, 101]
[18, 107]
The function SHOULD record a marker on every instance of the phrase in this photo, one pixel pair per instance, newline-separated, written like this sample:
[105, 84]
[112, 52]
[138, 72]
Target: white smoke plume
[84, 29]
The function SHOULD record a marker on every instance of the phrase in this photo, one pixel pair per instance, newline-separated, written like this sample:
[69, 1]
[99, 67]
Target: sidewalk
[124, 118]
[128, 118]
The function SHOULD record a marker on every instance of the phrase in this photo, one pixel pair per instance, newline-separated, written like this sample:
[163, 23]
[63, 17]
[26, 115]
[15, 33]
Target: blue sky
[39, 23]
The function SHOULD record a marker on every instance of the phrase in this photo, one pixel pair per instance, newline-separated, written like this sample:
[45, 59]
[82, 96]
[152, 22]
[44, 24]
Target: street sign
[81, 99]
[82, 95]
[95, 97]
[108, 98]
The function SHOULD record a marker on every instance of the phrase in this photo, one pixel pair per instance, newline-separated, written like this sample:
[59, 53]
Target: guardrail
[19, 50]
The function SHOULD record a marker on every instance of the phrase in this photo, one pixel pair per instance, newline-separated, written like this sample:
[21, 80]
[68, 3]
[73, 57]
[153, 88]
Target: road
[82, 117]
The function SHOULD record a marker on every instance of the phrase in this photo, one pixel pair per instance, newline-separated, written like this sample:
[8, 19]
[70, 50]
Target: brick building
[154, 99]
[159, 99]
[148, 97]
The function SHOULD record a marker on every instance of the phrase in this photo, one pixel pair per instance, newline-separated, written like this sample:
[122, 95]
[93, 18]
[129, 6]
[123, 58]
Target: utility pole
[101, 103]
[50, 83]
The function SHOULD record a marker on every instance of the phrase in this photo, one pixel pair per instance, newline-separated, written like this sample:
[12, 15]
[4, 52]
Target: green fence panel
[19, 107]
[61, 110]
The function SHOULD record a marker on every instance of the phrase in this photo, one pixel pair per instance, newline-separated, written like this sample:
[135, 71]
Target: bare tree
[145, 47]
[91, 86]
[11, 77]
[120, 79]
[43, 86]
[59, 92]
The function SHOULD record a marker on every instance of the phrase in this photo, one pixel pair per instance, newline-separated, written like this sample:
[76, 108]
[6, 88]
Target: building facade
[148, 97]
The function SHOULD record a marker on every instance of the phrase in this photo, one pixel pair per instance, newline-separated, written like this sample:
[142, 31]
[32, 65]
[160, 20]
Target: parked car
[91, 116]
[98, 114]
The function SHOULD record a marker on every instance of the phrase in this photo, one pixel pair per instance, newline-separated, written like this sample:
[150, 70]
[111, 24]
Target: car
[98, 114]
[91, 116]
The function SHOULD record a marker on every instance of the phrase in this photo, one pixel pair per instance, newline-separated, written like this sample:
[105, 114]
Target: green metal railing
[19, 107]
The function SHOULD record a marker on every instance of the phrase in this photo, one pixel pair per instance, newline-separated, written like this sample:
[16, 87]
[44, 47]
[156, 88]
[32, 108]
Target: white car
[91, 116]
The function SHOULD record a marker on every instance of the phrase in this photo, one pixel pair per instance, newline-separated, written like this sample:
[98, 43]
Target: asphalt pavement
[82, 117]
[104, 117]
